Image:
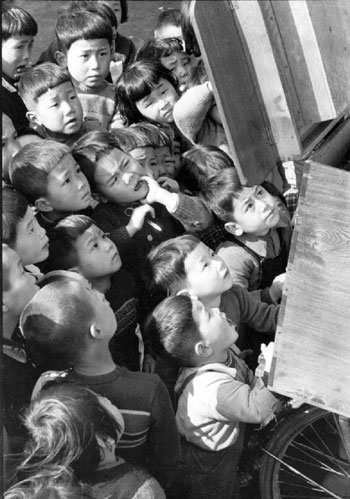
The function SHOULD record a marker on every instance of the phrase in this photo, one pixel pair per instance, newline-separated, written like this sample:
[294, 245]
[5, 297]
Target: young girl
[72, 427]
[147, 91]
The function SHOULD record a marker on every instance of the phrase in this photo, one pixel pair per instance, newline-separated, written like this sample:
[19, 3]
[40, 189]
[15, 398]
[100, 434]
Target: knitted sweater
[217, 399]
[98, 104]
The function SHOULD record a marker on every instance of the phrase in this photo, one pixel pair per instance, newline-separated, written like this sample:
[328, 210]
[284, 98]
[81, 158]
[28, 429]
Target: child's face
[166, 162]
[59, 109]
[146, 156]
[32, 244]
[16, 52]
[67, 187]
[116, 7]
[98, 255]
[213, 326]
[159, 104]
[10, 144]
[88, 61]
[179, 64]
[118, 178]
[22, 285]
[255, 211]
[206, 274]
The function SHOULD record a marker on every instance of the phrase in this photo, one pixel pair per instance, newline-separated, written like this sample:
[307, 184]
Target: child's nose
[94, 62]
[128, 177]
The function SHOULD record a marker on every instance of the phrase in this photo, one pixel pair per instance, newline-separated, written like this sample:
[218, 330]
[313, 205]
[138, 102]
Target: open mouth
[140, 184]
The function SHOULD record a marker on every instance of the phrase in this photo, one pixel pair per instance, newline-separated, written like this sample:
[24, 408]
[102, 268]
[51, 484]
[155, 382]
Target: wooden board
[312, 345]
[236, 89]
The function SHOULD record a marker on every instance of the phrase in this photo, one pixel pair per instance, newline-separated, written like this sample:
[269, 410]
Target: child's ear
[203, 350]
[61, 58]
[96, 332]
[233, 228]
[42, 204]
[32, 118]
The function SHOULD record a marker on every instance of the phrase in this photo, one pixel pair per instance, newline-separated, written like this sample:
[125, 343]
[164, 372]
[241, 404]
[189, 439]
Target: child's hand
[155, 191]
[137, 219]
[265, 359]
[276, 287]
[169, 184]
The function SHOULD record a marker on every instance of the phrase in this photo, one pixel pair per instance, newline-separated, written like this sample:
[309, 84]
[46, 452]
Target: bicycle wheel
[307, 457]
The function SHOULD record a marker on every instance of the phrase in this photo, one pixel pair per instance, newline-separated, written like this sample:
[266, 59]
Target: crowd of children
[138, 271]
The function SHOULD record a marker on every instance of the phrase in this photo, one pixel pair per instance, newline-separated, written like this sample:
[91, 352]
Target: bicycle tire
[300, 433]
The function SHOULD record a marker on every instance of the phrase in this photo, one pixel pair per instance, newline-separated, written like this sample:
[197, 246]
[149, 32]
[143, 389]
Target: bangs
[142, 85]
[17, 22]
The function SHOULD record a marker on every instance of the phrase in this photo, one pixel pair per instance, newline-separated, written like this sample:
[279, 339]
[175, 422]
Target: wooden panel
[312, 345]
[236, 89]
[312, 43]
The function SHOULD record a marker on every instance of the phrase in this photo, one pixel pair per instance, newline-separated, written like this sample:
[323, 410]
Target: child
[124, 48]
[117, 177]
[76, 243]
[169, 52]
[47, 175]
[141, 141]
[18, 373]
[10, 145]
[69, 319]
[54, 108]
[18, 32]
[258, 233]
[185, 263]
[217, 394]
[92, 427]
[21, 231]
[168, 24]
[147, 91]
[85, 44]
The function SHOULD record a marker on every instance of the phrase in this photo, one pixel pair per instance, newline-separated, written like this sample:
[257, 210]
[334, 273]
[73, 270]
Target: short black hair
[153, 50]
[14, 208]
[83, 25]
[17, 22]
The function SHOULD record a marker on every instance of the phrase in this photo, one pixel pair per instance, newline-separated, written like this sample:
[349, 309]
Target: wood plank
[312, 345]
[236, 89]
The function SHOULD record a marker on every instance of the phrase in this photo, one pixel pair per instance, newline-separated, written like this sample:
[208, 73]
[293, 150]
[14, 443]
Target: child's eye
[54, 105]
[103, 54]
[78, 169]
[249, 206]
[66, 181]
[30, 46]
[20, 47]
[95, 245]
[104, 236]
[73, 97]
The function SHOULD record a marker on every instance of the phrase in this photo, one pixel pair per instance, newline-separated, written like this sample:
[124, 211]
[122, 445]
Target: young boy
[185, 263]
[217, 394]
[258, 233]
[169, 52]
[21, 231]
[18, 32]
[48, 176]
[54, 109]
[70, 319]
[18, 373]
[77, 244]
[85, 48]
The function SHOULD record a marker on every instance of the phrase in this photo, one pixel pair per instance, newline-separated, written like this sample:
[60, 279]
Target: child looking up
[54, 109]
[18, 32]
[71, 320]
[18, 373]
[21, 231]
[85, 45]
[217, 394]
[77, 244]
[258, 236]
[48, 176]
[169, 52]
[92, 427]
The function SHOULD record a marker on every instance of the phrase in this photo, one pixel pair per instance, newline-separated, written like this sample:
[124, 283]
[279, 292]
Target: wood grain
[312, 345]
